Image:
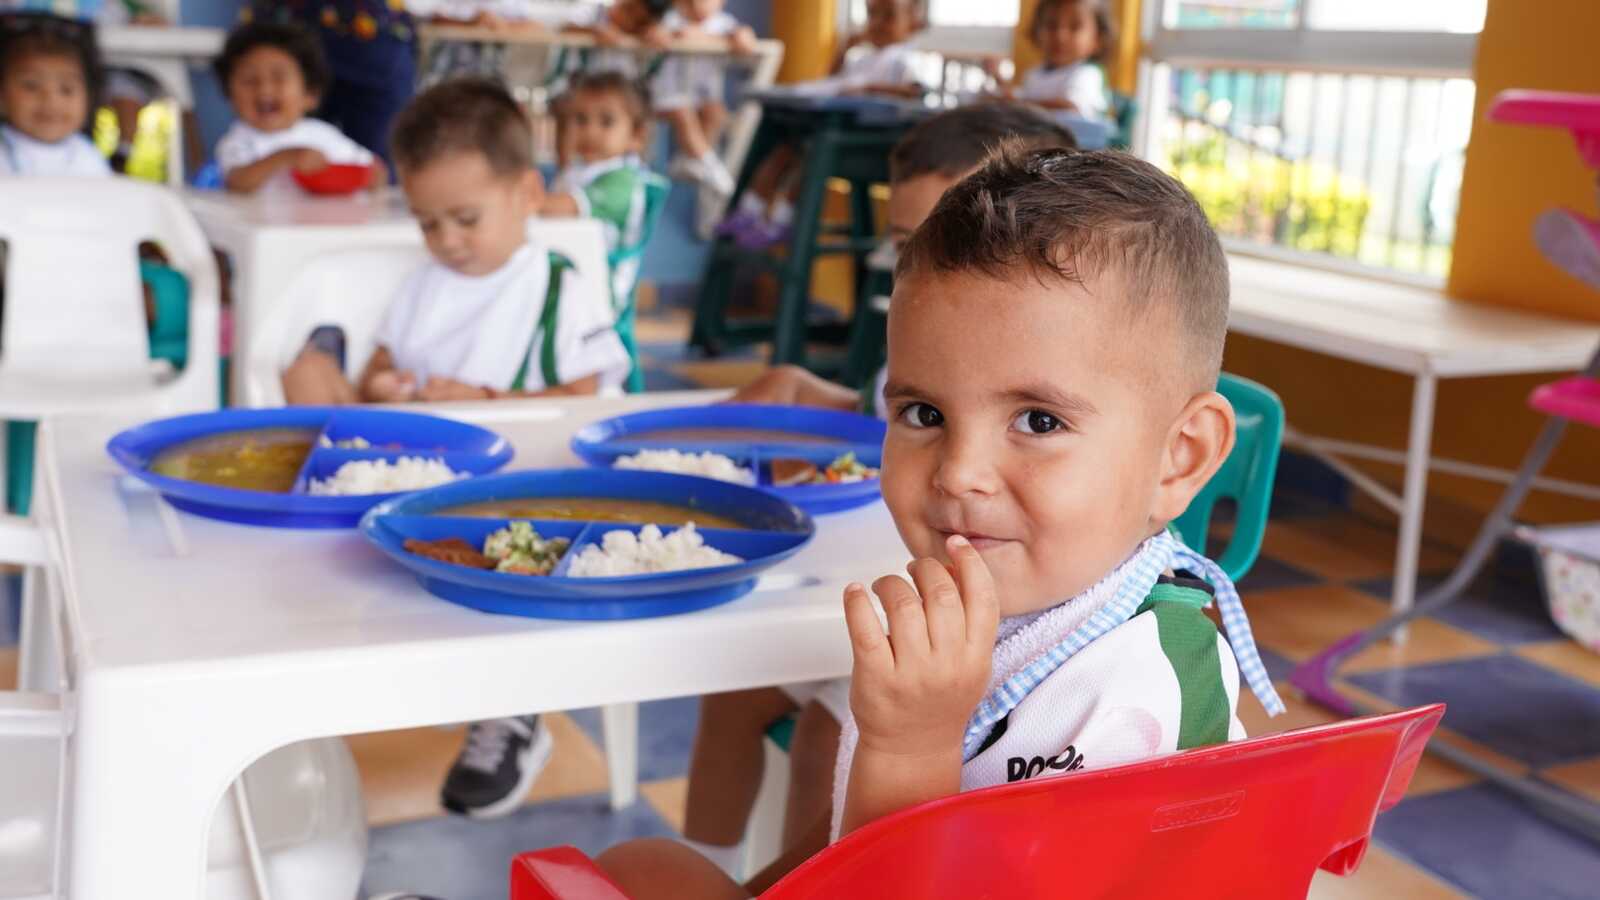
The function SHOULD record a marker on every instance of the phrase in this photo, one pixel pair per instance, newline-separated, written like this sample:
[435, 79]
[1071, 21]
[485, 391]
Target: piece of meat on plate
[455, 551]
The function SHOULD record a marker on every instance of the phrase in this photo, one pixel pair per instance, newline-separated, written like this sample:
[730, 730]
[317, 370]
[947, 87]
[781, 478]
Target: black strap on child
[545, 336]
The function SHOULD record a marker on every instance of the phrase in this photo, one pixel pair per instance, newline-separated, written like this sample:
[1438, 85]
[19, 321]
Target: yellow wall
[809, 33]
[1512, 173]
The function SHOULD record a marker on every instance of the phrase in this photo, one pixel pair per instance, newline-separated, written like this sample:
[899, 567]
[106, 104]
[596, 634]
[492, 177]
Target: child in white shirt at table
[879, 60]
[1076, 37]
[48, 76]
[274, 76]
[687, 91]
[489, 315]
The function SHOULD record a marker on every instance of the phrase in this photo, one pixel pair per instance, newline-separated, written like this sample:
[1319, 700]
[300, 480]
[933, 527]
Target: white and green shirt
[613, 192]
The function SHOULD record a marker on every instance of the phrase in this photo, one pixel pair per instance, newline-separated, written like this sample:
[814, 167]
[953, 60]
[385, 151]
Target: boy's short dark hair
[464, 115]
[298, 42]
[1081, 216]
[952, 143]
[634, 94]
[25, 34]
[1103, 22]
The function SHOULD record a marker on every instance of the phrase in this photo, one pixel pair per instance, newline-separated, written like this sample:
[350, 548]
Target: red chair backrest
[1255, 818]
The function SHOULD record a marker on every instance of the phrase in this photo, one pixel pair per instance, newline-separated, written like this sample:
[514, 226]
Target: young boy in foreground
[726, 768]
[1054, 344]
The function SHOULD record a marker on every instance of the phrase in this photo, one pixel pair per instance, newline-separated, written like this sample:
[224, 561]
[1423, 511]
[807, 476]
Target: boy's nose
[965, 466]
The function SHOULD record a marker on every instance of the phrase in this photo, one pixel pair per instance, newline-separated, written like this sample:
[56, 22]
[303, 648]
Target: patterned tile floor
[1518, 692]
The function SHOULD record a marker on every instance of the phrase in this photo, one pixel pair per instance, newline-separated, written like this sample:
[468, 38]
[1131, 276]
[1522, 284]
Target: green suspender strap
[545, 336]
[1189, 641]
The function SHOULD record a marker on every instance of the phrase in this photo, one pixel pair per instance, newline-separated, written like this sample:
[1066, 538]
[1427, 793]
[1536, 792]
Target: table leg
[620, 724]
[1414, 497]
[39, 656]
[148, 776]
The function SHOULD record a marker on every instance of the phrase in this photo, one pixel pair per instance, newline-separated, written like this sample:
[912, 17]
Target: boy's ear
[313, 100]
[1200, 439]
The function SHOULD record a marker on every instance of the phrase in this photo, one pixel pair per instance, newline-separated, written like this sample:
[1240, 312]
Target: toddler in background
[688, 91]
[274, 76]
[1076, 37]
[604, 120]
[621, 23]
[486, 317]
[878, 60]
[49, 74]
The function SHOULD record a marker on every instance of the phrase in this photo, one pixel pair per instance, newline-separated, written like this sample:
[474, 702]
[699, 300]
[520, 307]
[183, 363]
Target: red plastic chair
[1255, 818]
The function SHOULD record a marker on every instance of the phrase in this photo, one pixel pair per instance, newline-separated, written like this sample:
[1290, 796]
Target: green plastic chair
[656, 189]
[1245, 477]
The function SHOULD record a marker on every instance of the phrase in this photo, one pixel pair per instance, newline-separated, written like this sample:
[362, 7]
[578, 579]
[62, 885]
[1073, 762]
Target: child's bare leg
[812, 754]
[725, 769]
[315, 379]
[767, 180]
[687, 132]
[658, 867]
[712, 116]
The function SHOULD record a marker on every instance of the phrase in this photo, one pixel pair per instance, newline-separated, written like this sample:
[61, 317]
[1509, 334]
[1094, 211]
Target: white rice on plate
[705, 465]
[380, 476]
[623, 553]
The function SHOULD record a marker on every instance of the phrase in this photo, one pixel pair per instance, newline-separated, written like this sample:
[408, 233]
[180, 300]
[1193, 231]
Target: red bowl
[335, 179]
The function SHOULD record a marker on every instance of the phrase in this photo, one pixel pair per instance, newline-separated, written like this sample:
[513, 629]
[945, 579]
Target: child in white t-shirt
[878, 60]
[688, 90]
[46, 93]
[1075, 38]
[275, 75]
[491, 314]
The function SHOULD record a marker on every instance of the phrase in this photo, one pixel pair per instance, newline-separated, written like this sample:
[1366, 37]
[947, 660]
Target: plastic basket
[1569, 571]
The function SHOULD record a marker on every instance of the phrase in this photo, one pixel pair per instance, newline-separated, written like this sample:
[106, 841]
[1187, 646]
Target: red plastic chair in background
[1255, 818]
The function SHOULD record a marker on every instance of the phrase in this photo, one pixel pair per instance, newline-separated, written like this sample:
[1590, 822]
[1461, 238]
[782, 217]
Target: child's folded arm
[250, 177]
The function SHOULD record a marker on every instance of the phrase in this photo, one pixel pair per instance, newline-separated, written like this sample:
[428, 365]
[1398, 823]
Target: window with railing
[1329, 127]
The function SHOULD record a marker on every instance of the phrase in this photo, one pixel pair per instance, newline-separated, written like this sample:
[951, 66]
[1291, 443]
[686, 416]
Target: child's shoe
[707, 170]
[500, 761]
[764, 234]
[738, 222]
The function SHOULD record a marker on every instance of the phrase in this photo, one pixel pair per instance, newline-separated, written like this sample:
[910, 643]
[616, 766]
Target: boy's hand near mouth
[913, 690]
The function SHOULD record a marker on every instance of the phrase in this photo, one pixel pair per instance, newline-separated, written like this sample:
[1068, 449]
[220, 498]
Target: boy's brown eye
[1037, 421]
[921, 415]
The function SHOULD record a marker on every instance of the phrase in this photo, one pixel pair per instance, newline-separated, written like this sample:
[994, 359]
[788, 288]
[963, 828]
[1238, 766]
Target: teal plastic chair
[1124, 112]
[656, 189]
[1245, 478]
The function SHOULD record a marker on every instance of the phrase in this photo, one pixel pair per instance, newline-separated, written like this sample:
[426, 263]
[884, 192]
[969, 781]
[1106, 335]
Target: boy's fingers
[867, 640]
[941, 604]
[977, 591]
[908, 628]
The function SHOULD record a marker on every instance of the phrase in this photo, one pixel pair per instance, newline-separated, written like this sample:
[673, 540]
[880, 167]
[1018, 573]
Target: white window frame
[1426, 54]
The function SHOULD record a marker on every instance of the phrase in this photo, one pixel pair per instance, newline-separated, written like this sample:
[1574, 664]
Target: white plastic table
[1407, 329]
[269, 235]
[196, 646]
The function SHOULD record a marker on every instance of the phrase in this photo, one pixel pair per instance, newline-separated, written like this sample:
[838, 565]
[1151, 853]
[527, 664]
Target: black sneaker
[496, 767]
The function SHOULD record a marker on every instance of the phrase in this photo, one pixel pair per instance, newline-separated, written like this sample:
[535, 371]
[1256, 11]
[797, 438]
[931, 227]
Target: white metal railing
[1346, 146]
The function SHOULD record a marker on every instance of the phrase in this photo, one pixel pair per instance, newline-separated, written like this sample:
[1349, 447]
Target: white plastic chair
[351, 289]
[292, 826]
[75, 336]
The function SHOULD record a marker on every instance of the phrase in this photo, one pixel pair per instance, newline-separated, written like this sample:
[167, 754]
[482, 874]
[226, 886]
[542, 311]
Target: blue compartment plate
[816, 435]
[464, 447]
[777, 530]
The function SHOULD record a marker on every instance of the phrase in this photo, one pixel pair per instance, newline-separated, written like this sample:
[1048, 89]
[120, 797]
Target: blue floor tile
[1504, 702]
[1487, 843]
[1279, 667]
[462, 859]
[666, 735]
[1501, 609]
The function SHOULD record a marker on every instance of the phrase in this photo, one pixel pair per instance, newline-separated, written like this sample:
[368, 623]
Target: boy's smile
[1024, 416]
[268, 90]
